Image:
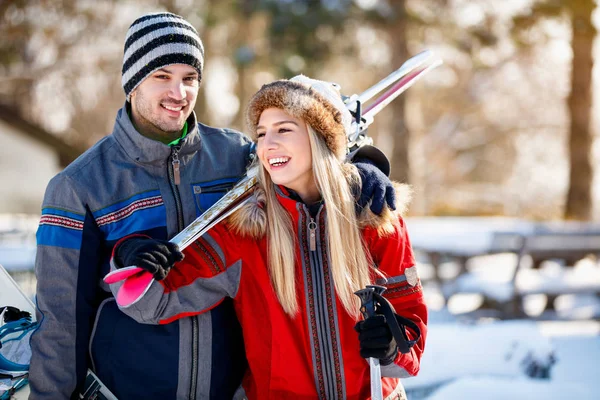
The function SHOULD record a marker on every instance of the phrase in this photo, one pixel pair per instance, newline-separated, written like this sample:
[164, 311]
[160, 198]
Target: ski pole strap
[397, 324]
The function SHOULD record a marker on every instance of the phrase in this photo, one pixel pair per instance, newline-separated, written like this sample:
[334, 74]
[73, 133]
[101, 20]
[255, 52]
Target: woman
[292, 258]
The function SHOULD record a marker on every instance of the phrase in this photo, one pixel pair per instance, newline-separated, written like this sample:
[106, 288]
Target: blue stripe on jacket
[60, 228]
[142, 212]
[124, 203]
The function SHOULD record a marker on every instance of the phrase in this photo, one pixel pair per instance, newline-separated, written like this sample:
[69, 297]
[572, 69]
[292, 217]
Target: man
[154, 175]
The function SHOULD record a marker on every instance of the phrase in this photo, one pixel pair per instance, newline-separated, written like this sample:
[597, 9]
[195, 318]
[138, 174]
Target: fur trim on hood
[251, 219]
[318, 103]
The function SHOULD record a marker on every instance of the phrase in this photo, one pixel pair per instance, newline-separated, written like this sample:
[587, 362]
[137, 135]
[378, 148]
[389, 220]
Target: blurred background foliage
[505, 127]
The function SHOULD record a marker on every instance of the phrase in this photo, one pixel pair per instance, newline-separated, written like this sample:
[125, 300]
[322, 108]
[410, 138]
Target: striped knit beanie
[156, 40]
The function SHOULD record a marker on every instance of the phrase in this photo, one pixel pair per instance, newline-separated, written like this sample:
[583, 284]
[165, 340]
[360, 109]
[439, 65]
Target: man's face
[161, 104]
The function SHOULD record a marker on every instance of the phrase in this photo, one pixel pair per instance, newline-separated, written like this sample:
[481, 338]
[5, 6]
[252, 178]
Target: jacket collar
[147, 151]
[292, 202]
[250, 219]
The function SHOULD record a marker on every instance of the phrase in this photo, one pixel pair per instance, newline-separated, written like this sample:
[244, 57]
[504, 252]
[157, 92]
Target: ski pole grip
[367, 302]
[367, 308]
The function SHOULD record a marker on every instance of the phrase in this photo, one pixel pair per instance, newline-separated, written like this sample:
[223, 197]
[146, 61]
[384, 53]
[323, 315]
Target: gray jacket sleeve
[66, 268]
[189, 289]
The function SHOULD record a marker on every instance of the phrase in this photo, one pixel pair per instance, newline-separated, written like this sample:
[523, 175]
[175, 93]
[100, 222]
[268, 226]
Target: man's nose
[177, 90]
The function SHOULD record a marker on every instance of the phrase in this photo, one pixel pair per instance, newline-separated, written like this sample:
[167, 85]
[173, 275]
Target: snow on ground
[468, 359]
[575, 374]
[509, 349]
[473, 388]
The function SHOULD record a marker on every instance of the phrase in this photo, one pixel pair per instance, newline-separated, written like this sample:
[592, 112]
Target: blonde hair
[349, 262]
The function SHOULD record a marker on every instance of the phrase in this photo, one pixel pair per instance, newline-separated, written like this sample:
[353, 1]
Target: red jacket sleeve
[394, 259]
[208, 256]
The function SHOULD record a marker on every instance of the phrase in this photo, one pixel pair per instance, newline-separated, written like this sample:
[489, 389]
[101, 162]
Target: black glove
[376, 339]
[154, 255]
[376, 187]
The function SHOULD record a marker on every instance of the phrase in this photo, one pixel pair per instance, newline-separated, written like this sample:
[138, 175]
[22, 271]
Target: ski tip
[133, 289]
[122, 274]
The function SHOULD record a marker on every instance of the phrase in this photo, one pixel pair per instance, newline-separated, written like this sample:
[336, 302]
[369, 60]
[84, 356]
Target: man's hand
[376, 339]
[376, 186]
[153, 255]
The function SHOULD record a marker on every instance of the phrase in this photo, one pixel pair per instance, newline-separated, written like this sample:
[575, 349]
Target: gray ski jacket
[125, 184]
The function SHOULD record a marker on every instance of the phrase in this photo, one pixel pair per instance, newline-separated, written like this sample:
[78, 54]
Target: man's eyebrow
[191, 73]
[279, 123]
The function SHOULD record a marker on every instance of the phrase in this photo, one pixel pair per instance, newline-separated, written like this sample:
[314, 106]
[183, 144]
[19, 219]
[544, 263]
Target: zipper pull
[175, 162]
[312, 227]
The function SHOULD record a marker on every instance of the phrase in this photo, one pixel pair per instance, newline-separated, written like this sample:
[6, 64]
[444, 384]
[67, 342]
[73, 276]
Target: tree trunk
[579, 197]
[242, 37]
[397, 30]
[202, 108]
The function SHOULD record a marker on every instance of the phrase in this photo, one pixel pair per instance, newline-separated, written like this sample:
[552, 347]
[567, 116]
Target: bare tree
[578, 203]
[579, 196]
[397, 28]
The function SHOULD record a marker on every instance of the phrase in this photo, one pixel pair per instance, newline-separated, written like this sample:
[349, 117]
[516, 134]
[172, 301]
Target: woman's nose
[270, 141]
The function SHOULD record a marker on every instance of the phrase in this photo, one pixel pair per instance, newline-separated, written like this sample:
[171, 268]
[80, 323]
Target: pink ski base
[136, 283]
[121, 274]
[134, 288]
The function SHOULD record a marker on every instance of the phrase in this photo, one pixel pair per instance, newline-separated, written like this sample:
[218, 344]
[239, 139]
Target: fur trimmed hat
[318, 103]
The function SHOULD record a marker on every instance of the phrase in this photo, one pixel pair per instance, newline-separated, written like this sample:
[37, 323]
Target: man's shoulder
[88, 161]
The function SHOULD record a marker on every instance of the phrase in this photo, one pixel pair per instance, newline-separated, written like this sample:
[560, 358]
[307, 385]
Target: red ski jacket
[315, 354]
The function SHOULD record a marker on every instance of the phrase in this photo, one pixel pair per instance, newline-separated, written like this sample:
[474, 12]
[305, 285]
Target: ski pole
[367, 310]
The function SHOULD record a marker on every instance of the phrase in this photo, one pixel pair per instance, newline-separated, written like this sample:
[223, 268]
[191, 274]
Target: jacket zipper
[321, 311]
[194, 383]
[175, 180]
[312, 234]
[222, 187]
[174, 173]
[176, 164]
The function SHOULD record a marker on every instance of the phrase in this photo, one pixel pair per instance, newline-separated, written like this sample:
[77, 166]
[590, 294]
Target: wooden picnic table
[461, 238]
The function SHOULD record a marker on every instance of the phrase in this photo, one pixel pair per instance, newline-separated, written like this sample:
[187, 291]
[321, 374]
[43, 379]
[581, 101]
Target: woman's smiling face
[283, 147]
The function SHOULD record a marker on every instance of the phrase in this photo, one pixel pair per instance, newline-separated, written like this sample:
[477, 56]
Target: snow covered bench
[576, 275]
[505, 284]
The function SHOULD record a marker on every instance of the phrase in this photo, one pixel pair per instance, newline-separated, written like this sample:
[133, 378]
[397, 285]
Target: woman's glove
[376, 186]
[154, 255]
[376, 339]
